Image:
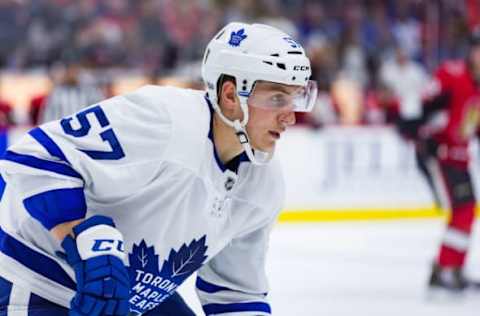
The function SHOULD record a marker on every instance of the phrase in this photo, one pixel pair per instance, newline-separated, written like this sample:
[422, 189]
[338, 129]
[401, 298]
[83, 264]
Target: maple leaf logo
[151, 285]
[184, 262]
[237, 37]
[144, 258]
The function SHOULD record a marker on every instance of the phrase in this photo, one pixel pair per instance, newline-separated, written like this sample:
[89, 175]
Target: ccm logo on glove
[90, 244]
[107, 244]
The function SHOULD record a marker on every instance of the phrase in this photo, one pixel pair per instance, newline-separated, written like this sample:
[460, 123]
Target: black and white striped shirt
[65, 100]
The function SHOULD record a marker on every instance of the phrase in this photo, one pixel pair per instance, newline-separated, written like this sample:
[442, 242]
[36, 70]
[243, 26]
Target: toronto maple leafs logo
[151, 285]
[237, 37]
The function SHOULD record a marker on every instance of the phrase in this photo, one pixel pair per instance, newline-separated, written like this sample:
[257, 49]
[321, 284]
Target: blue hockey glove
[96, 254]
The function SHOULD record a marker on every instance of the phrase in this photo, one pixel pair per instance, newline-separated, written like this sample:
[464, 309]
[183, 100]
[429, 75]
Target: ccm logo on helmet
[301, 68]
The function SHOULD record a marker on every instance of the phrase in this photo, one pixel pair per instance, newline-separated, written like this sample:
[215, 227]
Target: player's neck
[226, 142]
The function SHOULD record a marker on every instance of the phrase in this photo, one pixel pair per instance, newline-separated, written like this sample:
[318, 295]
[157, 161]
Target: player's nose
[287, 118]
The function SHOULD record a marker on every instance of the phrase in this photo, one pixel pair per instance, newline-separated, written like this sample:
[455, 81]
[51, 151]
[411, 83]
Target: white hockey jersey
[147, 160]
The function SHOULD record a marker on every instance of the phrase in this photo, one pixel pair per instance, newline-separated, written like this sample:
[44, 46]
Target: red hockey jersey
[456, 95]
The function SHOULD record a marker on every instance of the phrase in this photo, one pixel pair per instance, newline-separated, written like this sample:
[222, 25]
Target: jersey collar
[233, 164]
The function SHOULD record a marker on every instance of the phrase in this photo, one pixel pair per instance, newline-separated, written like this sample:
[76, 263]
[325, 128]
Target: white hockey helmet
[251, 53]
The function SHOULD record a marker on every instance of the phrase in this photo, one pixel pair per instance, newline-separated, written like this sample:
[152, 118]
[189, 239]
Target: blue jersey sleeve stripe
[38, 163]
[3, 184]
[3, 140]
[208, 287]
[5, 291]
[54, 207]
[34, 260]
[43, 139]
[213, 309]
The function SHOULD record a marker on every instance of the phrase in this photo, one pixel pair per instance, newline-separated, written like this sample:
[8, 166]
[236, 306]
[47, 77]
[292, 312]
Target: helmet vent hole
[275, 55]
[268, 62]
[294, 78]
[296, 52]
[281, 66]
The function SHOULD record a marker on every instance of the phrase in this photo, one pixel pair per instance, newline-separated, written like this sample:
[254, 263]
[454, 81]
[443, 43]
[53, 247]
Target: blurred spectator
[377, 37]
[314, 20]
[124, 32]
[273, 14]
[46, 34]
[353, 56]
[323, 60]
[381, 106]
[348, 98]
[406, 80]
[102, 43]
[407, 31]
[105, 83]
[158, 52]
[35, 108]
[239, 10]
[183, 19]
[454, 34]
[6, 118]
[12, 27]
[70, 94]
[6, 112]
[346, 39]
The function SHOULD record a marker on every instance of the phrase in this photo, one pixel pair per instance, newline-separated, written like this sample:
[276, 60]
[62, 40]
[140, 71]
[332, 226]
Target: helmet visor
[280, 96]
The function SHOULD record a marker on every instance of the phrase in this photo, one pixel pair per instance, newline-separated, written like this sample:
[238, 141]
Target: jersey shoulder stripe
[37, 163]
[50, 146]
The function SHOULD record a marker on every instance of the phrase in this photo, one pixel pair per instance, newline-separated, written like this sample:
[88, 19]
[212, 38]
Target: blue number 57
[108, 135]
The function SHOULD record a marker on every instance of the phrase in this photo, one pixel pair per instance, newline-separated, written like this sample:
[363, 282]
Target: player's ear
[228, 96]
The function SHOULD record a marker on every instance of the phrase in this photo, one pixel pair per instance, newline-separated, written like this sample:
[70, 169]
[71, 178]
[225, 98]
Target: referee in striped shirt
[70, 95]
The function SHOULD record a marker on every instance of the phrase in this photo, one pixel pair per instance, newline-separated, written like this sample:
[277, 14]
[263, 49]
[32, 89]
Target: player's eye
[278, 100]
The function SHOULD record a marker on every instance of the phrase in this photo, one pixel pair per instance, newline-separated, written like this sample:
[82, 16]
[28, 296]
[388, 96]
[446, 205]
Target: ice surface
[358, 268]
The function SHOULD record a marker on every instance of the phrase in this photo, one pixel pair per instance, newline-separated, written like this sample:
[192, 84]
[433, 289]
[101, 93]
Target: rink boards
[347, 173]
[355, 173]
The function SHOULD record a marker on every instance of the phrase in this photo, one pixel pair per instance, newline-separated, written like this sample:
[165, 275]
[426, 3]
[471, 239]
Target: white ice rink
[358, 269]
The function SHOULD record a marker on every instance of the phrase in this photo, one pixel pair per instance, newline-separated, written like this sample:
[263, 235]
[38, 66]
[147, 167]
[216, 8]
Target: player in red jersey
[450, 120]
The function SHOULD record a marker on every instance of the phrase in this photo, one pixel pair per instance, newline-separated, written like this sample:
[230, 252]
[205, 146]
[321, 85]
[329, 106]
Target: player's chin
[267, 145]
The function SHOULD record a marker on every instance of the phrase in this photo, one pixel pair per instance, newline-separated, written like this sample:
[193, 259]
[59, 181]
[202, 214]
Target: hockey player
[108, 211]
[451, 117]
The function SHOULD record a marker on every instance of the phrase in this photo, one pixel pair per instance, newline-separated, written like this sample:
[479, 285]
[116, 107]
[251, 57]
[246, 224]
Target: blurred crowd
[371, 58]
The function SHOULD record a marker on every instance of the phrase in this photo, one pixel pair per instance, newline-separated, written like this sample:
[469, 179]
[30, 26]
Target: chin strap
[256, 157]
